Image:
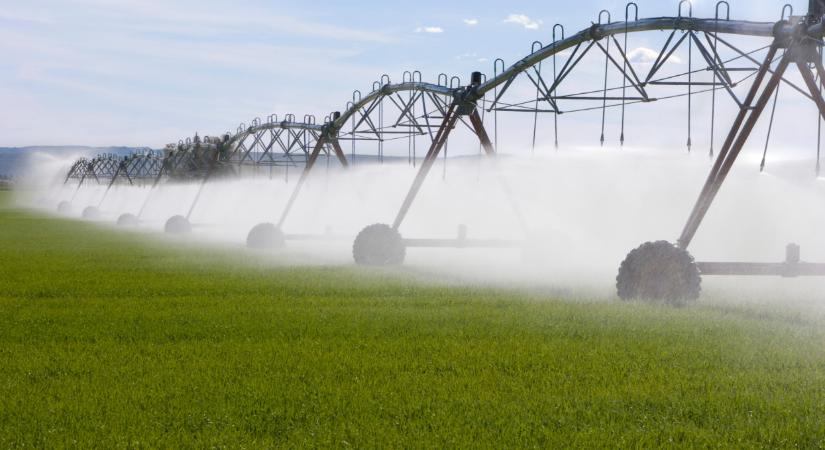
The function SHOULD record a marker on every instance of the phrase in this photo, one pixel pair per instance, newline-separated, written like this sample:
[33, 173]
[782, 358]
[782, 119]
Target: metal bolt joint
[465, 100]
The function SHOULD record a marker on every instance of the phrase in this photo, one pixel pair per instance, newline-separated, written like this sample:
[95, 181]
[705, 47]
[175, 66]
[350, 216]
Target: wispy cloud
[470, 22]
[153, 62]
[523, 20]
[644, 55]
[470, 57]
[11, 16]
[430, 29]
[166, 17]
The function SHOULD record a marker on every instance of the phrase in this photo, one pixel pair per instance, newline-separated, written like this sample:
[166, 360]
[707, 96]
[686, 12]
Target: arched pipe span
[597, 32]
[593, 33]
[386, 90]
[801, 40]
[346, 115]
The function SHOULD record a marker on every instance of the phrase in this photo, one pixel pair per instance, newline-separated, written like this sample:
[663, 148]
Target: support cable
[715, 76]
[495, 94]
[690, 86]
[555, 75]
[624, 64]
[818, 131]
[770, 129]
[606, 61]
[538, 97]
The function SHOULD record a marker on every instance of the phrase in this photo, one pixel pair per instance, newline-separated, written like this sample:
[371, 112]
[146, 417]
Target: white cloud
[178, 18]
[644, 55]
[473, 57]
[433, 30]
[523, 20]
[470, 22]
[17, 17]
[140, 77]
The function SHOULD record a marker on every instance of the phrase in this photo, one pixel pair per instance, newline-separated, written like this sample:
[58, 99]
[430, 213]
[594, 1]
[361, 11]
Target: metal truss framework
[414, 110]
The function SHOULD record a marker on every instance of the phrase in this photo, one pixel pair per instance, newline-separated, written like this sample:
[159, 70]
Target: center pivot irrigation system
[412, 111]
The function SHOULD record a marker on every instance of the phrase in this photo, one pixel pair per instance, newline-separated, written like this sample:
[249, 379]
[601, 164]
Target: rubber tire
[91, 213]
[379, 245]
[659, 271]
[128, 220]
[177, 225]
[64, 207]
[265, 236]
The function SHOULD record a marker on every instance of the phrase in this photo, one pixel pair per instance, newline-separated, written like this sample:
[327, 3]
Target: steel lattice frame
[415, 109]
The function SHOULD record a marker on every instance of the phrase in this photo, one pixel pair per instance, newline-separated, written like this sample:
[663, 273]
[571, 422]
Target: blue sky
[148, 72]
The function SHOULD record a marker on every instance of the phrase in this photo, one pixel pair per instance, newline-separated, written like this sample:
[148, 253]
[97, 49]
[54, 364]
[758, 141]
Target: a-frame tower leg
[323, 140]
[441, 136]
[737, 137]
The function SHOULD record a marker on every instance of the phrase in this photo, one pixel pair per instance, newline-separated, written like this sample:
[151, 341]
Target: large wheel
[127, 220]
[178, 225]
[659, 271]
[64, 207]
[91, 213]
[265, 236]
[378, 245]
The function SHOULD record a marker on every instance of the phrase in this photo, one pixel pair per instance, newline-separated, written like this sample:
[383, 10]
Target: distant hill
[13, 160]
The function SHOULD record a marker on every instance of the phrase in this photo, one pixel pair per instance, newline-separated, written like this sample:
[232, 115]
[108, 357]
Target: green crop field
[112, 339]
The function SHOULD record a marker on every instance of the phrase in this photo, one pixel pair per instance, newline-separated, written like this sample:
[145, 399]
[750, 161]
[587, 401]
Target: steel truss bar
[599, 31]
[626, 76]
[636, 82]
[249, 145]
[570, 97]
[660, 62]
[212, 166]
[567, 68]
[712, 62]
[432, 154]
[519, 106]
[504, 89]
[313, 157]
[717, 65]
[163, 169]
[683, 83]
[738, 136]
[111, 182]
[747, 56]
[191, 160]
[387, 90]
[481, 132]
[813, 86]
[546, 94]
[448, 124]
